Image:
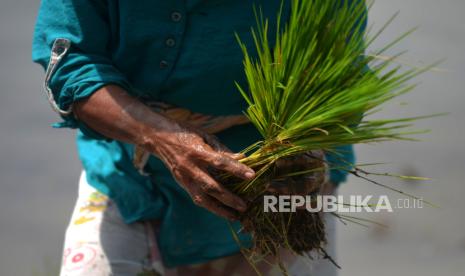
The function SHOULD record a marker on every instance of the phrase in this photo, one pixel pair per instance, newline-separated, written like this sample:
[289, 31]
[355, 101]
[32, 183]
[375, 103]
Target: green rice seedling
[312, 90]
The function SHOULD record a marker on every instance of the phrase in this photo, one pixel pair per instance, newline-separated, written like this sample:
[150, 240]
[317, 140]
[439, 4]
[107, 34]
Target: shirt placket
[177, 18]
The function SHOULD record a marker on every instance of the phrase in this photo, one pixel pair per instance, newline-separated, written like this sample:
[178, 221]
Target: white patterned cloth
[99, 243]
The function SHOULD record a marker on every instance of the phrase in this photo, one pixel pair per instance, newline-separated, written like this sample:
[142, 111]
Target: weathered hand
[303, 184]
[189, 154]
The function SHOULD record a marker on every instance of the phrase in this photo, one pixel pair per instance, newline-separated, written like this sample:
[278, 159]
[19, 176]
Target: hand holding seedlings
[187, 153]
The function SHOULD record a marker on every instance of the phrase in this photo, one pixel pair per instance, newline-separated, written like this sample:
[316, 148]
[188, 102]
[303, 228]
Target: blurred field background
[39, 169]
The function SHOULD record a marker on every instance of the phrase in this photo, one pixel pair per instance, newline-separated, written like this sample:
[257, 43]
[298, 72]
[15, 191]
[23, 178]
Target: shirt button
[163, 64]
[170, 42]
[176, 16]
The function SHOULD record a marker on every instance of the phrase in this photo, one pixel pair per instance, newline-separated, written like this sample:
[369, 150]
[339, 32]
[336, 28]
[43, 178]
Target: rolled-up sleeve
[87, 66]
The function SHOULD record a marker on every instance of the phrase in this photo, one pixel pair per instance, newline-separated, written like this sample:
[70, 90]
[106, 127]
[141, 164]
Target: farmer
[157, 77]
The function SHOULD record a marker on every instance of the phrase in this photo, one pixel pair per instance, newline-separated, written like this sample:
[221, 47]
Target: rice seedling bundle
[311, 90]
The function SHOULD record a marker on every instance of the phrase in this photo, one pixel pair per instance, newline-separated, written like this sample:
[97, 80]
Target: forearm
[114, 113]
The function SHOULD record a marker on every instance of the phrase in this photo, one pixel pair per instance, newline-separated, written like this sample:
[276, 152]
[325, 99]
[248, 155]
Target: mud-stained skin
[188, 152]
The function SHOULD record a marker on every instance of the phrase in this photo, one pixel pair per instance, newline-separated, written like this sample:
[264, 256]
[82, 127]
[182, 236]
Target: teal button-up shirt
[179, 52]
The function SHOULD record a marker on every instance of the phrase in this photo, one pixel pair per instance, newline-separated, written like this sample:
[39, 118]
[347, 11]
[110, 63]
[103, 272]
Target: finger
[237, 156]
[213, 142]
[211, 187]
[226, 163]
[214, 206]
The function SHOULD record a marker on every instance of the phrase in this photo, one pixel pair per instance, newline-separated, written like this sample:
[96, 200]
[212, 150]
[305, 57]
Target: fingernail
[250, 175]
